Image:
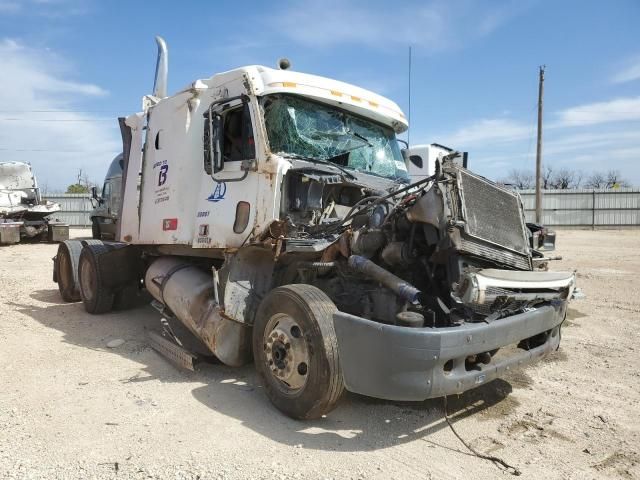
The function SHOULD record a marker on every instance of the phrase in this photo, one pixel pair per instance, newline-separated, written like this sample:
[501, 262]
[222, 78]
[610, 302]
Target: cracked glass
[306, 129]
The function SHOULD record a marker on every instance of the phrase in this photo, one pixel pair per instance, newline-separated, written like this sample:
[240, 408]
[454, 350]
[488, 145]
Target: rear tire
[95, 228]
[97, 298]
[296, 351]
[66, 270]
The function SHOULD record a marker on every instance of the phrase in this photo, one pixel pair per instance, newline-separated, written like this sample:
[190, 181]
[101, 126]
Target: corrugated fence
[585, 207]
[76, 208]
[579, 208]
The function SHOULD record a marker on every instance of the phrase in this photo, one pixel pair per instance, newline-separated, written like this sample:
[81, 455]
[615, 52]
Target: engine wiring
[375, 200]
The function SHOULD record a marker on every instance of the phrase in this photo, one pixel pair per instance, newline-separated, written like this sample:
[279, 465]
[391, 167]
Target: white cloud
[587, 150]
[431, 26]
[628, 73]
[44, 8]
[591, 137]
[40, 120]
[494, 130]
[617, 110]
[506, 130]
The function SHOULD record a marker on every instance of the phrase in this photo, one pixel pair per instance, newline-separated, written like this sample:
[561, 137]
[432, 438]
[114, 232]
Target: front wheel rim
[286, 352]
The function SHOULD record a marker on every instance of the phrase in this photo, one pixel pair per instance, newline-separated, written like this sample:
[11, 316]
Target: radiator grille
[493, 226]
[492, 214]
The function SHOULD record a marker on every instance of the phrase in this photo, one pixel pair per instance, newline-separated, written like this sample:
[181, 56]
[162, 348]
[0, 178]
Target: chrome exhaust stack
[162, 69]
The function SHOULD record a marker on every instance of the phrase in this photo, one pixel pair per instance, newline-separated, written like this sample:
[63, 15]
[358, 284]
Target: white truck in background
[276, 220]
[421, 159]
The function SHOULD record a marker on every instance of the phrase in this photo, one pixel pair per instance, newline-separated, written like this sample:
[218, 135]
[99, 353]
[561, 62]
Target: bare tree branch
[519, 179]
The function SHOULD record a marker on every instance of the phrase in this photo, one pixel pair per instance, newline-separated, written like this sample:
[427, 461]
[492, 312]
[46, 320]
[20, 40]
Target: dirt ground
[70, 407]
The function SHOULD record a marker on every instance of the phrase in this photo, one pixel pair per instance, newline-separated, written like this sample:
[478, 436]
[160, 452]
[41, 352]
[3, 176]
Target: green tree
[77, 188]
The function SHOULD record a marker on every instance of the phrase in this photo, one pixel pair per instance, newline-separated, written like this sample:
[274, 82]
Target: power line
[60, 111]
[50, 150]
[57, 119]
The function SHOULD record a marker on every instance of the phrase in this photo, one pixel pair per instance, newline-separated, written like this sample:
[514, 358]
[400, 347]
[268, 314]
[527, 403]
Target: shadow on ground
[358, 424]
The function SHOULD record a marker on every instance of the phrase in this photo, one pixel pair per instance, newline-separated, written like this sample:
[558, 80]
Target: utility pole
[409, 112]
[539, 149]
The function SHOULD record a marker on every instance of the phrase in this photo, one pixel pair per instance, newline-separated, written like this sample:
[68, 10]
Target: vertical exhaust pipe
[162, 69]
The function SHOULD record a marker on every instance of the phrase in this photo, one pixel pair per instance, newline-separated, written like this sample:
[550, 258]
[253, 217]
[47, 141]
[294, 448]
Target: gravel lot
[70, 407]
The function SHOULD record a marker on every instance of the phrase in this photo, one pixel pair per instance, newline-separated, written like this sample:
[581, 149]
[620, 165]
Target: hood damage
[449, 249]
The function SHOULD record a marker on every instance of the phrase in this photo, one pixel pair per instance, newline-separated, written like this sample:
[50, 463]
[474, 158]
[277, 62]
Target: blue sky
[69, 67]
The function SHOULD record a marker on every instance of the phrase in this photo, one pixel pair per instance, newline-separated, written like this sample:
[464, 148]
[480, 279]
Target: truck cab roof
[263, 80]
[116, 167]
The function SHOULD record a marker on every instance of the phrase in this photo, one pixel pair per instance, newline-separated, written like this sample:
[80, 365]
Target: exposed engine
[434, 253]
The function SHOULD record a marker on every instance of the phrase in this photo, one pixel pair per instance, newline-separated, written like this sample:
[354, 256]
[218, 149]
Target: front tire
[97, 298]
[296, 351]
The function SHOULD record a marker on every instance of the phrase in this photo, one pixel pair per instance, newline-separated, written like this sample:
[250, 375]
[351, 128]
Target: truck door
[227, 204]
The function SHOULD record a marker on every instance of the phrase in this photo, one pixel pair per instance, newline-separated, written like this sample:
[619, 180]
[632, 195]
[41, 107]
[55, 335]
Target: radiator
[492, 221]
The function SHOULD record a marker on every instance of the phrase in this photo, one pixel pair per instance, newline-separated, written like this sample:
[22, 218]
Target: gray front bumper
[401, 363]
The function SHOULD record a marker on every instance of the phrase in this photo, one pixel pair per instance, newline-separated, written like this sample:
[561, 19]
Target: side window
[106, 191]
[238, 142]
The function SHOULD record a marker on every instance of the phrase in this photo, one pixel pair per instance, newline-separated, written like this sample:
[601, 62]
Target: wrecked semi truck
[24, 214]
[276, 221]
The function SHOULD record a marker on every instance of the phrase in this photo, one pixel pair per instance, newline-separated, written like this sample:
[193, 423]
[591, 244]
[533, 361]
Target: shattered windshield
[303, 128]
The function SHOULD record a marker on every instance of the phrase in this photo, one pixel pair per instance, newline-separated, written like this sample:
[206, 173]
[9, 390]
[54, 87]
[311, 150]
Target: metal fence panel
[585, 207]
[577, 207]
[76, 208]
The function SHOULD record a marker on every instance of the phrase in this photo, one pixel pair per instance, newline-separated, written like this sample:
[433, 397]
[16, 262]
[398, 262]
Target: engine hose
[399, 286]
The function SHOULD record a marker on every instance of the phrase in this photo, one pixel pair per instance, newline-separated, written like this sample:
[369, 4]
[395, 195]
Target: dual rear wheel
[80, 276]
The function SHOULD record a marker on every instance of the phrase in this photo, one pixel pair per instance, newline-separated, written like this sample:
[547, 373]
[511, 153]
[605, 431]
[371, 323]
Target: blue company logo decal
[218, 192]
[162, 176]
[162, 173]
